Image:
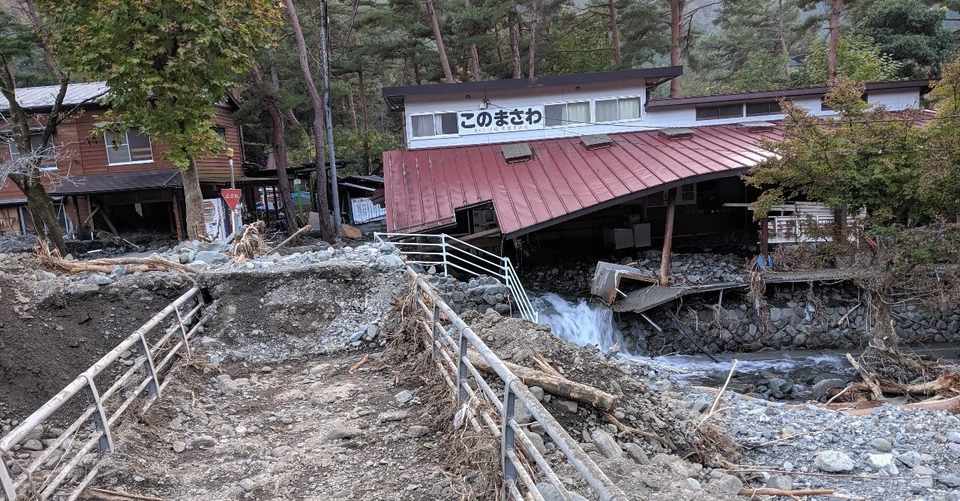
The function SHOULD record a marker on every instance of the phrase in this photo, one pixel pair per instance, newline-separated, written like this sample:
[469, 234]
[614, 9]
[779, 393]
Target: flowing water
[580, 322]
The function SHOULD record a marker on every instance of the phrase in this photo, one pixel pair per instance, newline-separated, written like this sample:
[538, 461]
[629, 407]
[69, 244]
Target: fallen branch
[106, 265]
[289, 239]
[867, 378]
[716, 400]
[109, 495]
[554, 385]
[767, 491]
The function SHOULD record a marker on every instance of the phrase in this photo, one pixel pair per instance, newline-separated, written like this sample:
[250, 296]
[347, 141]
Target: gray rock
[636, 452]
[342, 431]
[953, 437]
[179, 446]
[537, 393]
[923, 479]
[725, 485]
[32, 445]
[783, 482]
[203, 442]
[417, 431]
[606, 444]
[949, 479]
[568, 406]
[881, 445]
[371, 333]
[248, 484]
[833, 462]
[537, 441]
[910, 459]
[393, 416]
[821, 390]
[404, 396]
[883, 463]
[211, 257]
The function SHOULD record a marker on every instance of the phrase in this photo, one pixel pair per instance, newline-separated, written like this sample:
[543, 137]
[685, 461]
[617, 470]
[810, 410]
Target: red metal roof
[425, 187]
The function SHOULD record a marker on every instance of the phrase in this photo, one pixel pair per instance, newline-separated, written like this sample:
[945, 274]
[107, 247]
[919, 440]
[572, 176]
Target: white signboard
[501, 120]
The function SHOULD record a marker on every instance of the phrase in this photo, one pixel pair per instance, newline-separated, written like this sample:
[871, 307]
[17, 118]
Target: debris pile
[478, 293]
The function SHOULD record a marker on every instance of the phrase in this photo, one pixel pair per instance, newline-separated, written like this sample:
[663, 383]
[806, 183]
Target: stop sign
[231, 196]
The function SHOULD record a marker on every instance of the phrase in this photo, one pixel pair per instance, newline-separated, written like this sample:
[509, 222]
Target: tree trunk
[475, 63]
[534, 31]
[784, 50]
[614, 32]
[193, 199]
[883, 334]
[438, 36]
[836, 6]
[45, 221]
[323, 204]
[365, 123]
[515, 49]
[279, 143]
[676, 17]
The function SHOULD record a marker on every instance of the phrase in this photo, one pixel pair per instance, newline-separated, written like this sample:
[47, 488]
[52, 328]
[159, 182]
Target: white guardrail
[44, 474]
[449, 253]
[485, 407]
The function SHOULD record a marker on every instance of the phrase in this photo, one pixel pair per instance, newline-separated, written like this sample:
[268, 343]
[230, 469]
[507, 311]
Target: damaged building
[115, 182]
[588, 167]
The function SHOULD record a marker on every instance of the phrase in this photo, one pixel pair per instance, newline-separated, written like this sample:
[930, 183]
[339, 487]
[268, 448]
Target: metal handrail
[452, 359]
[466, 259]
[186, 325]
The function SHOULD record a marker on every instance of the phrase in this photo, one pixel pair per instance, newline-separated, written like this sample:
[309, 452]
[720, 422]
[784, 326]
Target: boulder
[833, 462]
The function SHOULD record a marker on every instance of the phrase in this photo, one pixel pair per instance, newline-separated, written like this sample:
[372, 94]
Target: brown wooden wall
[82, 152]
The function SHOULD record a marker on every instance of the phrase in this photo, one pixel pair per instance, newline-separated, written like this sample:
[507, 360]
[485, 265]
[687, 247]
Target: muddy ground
[50, 334]
[337, 427]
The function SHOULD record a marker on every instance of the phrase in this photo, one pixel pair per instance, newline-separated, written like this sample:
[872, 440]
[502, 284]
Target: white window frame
[568, 125]
[436, 125]
[43, 168]
[126, 136]
[618, 98]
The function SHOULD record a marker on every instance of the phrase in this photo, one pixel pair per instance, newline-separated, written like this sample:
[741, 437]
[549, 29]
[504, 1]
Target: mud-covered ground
[337, 427]
[50, 333]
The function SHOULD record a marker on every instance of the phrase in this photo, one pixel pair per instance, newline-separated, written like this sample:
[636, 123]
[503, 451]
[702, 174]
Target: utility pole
[328, 113]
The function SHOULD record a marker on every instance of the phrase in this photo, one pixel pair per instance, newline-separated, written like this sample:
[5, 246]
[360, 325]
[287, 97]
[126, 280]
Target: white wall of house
[649, 119]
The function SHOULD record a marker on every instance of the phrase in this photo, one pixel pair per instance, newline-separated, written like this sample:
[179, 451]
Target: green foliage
[352, 152]
[19, 46]
[858, 58]
[909, 31]
[167, 62]
[885, 163]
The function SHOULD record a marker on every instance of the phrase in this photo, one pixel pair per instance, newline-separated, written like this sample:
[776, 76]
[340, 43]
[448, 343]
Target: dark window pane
[708, 113]
[448, 123]
[766, 108]
[730, 111]
[554, 114]
[140, 150]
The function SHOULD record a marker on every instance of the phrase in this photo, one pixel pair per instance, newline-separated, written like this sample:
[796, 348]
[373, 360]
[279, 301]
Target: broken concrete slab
[607, 277]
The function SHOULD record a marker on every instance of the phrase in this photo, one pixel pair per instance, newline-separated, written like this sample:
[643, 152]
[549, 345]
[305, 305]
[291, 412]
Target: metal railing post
[183, 331]
[6, 481]
[508, 435]
[443, 247]
[100, 418]
[153, 389]
[433, 329]
[462, 368]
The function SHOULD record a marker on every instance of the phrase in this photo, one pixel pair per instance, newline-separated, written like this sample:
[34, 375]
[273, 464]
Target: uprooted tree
[901, 171]
[167, 63]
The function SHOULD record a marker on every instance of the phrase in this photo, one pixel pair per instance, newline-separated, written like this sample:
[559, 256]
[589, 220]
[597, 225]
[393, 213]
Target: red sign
[231, 196]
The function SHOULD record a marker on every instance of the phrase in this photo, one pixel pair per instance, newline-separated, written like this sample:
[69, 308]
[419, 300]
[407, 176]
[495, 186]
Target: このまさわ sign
[500, 120]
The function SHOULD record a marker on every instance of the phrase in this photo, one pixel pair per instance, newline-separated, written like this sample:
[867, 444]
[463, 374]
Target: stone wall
[478, 293]
[796, 316]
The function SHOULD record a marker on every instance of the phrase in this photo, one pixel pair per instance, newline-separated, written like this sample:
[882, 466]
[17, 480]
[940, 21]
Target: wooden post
[176, 216]
[668, 238]
[765, 241]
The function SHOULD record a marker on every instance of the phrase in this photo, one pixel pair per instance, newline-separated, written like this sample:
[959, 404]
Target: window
[131, 146]
[567, 114]
[434, 124]
[765, 108]
[49, 160]
[612, 110]
[719, 112]
[221, 131]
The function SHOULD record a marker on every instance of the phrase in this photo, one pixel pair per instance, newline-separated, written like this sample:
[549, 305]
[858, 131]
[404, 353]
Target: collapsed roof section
[563, 179]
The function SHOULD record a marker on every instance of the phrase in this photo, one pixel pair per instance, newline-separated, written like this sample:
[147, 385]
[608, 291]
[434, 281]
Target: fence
[449, 253]
[453, 361]
[101, 412]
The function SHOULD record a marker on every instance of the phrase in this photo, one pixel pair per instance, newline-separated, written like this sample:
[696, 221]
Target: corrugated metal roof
[43, 97]
[563, 180]
[75, 185]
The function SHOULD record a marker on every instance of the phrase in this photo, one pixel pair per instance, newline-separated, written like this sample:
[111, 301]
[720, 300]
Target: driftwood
[867, 407]
[110, 495]
[106, 265]
[250, 244]
[767, 491]
[289, 239]
[554, 385]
